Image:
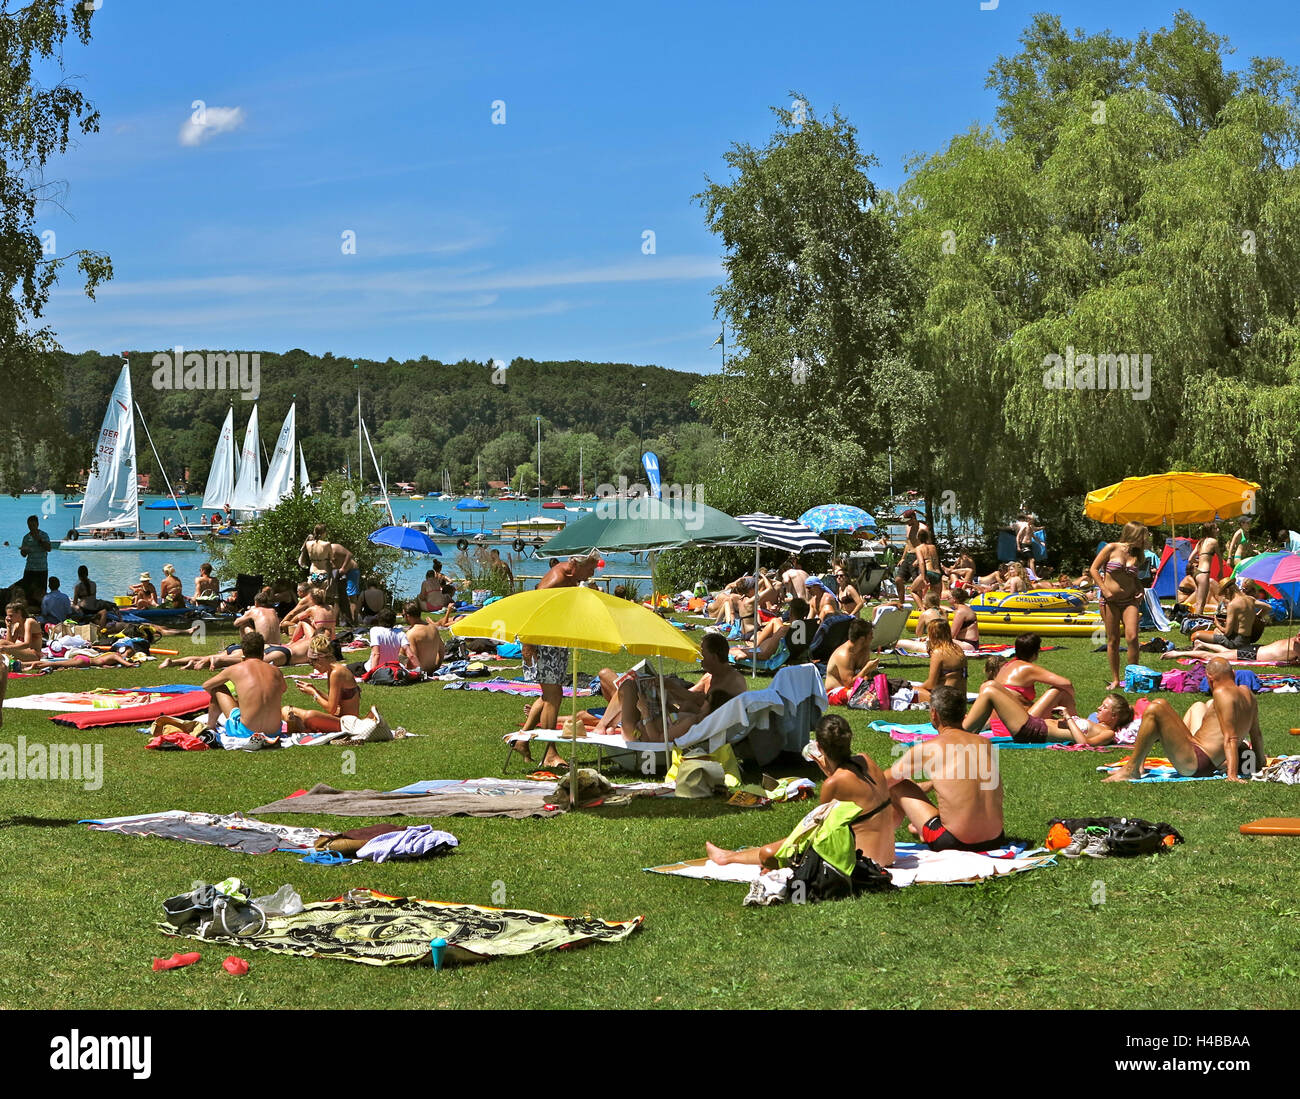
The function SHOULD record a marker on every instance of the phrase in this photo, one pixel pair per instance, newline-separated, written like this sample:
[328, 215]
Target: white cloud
[206, 122]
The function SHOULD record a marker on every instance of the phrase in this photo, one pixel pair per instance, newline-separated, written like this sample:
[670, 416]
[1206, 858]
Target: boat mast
[539, 465]
[166, 480]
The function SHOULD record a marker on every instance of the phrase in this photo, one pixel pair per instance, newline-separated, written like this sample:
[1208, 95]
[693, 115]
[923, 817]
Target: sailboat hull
[129, 545]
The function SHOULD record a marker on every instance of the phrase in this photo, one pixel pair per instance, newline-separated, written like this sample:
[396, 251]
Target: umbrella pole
[573, 760]
[753, 672]
[663, 717]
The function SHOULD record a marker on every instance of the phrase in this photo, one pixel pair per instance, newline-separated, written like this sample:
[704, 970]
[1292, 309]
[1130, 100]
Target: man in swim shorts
[348, 578]
[961, 770]
[850, 664]
[253, 708]
[1221, 735]
[1286, 651]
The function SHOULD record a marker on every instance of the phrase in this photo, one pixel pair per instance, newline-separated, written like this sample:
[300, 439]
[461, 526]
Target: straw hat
[145, 576]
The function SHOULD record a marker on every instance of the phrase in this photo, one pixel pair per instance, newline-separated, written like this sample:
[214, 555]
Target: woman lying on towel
[856, 811]
[343, 699]
[81, 658]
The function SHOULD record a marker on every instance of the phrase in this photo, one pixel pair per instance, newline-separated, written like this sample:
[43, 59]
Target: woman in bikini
[850, 601]
[1203, 562]
[1119, 592]
[1019, 580]
[947, 660]
[319, 618]
[343, 699]
[170, 590]
[1240, 548]
[929, 573]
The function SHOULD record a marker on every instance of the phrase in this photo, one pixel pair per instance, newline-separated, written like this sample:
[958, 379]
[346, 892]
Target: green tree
[816, 297]
[269, 546]
[1139, 198]
[36, 122]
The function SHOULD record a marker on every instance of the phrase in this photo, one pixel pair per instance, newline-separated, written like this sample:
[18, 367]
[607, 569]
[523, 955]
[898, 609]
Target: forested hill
[424, 417]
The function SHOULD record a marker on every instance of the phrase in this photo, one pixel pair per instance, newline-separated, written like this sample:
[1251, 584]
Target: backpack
[824, 882]
[391, 674]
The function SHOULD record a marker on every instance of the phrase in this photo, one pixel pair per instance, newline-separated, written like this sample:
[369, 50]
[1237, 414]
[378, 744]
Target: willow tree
[36, 122]
[814, 302]
[1109, 276]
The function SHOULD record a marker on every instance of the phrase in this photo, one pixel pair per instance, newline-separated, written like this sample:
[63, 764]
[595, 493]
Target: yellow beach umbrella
[580, 618]
[1178, 497]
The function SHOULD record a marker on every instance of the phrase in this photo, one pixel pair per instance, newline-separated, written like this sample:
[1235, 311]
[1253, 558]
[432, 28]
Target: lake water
[115, 571]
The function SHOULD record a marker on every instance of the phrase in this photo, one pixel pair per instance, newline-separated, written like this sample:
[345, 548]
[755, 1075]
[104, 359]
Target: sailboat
[282, 472]
[112, 498]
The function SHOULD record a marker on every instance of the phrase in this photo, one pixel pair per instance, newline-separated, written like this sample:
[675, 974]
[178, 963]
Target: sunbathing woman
[23, 638]
[1017, 579]
[1115, 571]
[144, 594]
[947, 661]
[962, 574]
[319, 618]
[850, 601]
[81, 658]
[343, 699]
[171, 591]
[769, 637]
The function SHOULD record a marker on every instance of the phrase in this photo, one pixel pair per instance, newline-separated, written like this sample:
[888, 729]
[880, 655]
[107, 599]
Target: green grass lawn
[1214, 924]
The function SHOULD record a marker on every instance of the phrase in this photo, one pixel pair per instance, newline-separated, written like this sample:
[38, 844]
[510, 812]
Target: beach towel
[1157, 769]
[502, 798]
[375, 929]
[914, 864]
[518, 686]
[177, 705]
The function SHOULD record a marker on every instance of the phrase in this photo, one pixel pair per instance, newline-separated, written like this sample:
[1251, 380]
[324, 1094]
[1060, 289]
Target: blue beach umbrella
[404, 538]
[828, 518]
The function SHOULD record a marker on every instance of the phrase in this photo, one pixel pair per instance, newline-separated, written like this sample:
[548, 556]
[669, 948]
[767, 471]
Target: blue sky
[476, 240]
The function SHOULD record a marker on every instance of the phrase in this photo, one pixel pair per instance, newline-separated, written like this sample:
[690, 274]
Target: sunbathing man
[1238, 617]
[794, 576]
[342, 699]
[962, 573]
[822, 602]
[1212, 737]
[261, 617]
[851, 780]
[23, 637]
[254, 707]
[1061, 726]
[1285, 651]
[423, 646]
[961, 770]
[735, 601]
[850, 664]
[206, 587]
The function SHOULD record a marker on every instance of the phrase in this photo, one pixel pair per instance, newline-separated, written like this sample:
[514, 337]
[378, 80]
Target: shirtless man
[1212, 737]
[906, 570]
[765, 643]
[501, 567]
[259, 688]
[1285, 651]
[23, 637]
[849, 779]
[206, 587]
[822, 602]
[423, 647]
[850, 663]
[794, 576]
[1238, 629]
[1202, 561]
[961, 770]
[1025, 529]
[261, 617]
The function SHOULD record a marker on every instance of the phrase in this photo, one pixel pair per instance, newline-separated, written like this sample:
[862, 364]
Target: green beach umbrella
[642, 523]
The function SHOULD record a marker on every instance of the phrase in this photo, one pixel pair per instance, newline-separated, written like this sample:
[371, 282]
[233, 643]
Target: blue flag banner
[650, 460]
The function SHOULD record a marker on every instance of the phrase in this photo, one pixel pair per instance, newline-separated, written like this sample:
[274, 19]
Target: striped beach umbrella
[784, 534]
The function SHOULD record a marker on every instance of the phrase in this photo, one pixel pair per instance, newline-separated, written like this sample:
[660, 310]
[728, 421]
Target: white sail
[303, 479]
[112, 494]
[221, 478]
[248, 487]
[281, 470]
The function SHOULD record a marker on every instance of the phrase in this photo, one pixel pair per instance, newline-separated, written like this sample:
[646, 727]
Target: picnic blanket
[1157, 769]
[375, 929]
[914, 864]
[229, 830]
[517, 798]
